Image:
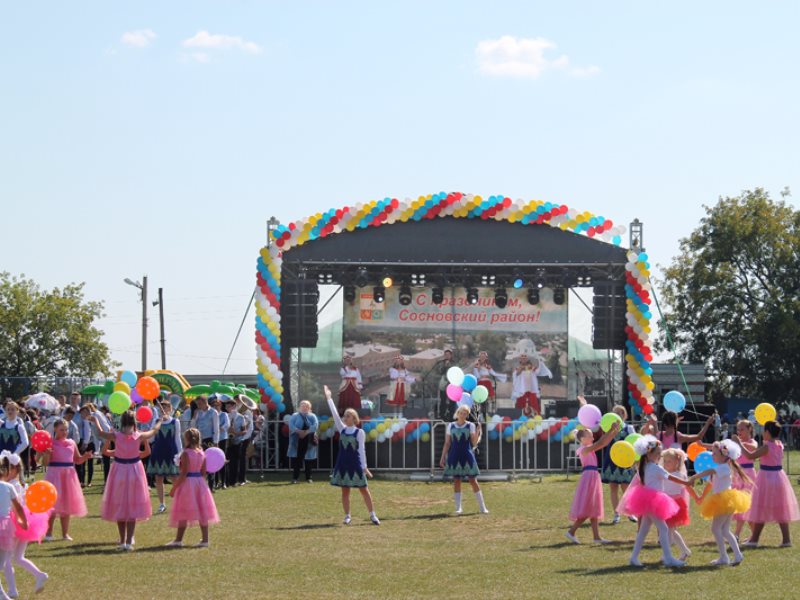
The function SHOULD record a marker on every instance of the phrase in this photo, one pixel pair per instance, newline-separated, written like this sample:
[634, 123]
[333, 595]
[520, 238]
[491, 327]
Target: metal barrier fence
[545, 452]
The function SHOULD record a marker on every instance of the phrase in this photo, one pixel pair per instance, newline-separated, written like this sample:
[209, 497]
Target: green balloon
[631, 439]
[119, 402]
[608, 420]
[480, 394]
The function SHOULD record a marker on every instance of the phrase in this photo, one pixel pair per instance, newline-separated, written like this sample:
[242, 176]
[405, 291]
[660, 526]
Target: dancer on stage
[458, 458]
[445, 404]
[774, 500]
[400, 384]
[351, 469]
[526, 383]
[588, 500]
[486, 377]
[724, 501]
[350, 388]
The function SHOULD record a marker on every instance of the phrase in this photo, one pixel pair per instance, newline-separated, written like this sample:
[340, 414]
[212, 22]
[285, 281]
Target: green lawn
[279, 540]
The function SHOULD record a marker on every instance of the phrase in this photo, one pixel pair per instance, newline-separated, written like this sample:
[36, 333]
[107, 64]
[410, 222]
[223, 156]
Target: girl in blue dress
[165, 446]
[351, 464]
[458, 457]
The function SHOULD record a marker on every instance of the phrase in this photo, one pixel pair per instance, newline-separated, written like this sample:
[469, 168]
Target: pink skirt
[37, 526]
[7, 538]
[739, 484]
[126, 496]
[193, 504]
[640, 500]
[588, 500]
[680, 518]
[773, 499]
[70, 501]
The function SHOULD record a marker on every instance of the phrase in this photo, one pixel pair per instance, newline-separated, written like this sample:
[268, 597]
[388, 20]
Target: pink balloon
[215, 460]
[589, 416]
[454, 392]
[135, 396]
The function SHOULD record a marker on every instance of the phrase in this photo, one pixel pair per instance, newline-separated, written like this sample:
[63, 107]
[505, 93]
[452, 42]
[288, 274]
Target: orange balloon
[41, 496]
[693, 450]
[148, 388]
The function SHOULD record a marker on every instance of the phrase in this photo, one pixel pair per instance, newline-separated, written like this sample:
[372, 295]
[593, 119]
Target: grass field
[280, 540]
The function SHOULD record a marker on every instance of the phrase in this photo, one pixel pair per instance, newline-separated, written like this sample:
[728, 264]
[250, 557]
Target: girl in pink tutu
[674, 463]
[649, 503]
[60, 461]
[588, 500]
[13, 515]
[126, 497]
[193, 502]
[37, 526]
[724, 501]
[773, 498]
[744, 429]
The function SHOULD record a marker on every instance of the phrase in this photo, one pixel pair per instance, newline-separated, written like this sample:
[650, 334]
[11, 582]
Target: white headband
[730, 449]
[13, 459]
[644, 444]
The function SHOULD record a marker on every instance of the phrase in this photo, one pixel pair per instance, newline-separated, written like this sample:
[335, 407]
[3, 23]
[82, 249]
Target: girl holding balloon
[774, 500]
[37, 526]
[126, 497]
[165, 448]
[60, 460]
[588, 500]
[193, 502]
[668, 435]
[458, 457]
[13, 515]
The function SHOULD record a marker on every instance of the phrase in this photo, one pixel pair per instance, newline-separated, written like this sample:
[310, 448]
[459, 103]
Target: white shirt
[483, 373]
[7, 494]
[350, 373]
[674, 489]
[654, 476]
[721, 480]
[454, 425]
[402, 374]
[19, 490]
[528, 380]
[360, 437]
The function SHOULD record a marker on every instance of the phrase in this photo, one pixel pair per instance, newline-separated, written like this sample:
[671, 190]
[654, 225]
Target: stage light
[387, 281]
[584, 279]
[362, 277]
[500, 298]
[488, 280]
[533, 296]
[379, 294]
[325, 278]
[518, 280]
[472, 295]
[559, 296]
[418, 279]
[405, 295]
[349, 294]
[437, 295]
[540, 282]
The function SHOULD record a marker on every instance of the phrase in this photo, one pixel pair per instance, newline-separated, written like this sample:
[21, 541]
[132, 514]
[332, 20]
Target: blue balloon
[674, 401]
[466, 400]
[425, 427]
[469, 383]
[493, 435]
[508, 431]
[703, 462]
[128, 377]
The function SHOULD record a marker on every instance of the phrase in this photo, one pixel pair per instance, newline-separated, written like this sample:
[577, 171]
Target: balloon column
[268, 328]
[378, 429]
[638, 352]
[530, 428]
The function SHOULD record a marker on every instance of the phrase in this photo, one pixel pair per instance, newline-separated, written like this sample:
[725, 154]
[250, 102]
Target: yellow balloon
[121, 386]
[765, 412]
[623, 454]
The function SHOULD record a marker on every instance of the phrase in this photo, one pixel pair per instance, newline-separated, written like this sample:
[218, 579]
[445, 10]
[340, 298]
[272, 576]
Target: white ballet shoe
[720, 562]
[571, 537]
[634, 562]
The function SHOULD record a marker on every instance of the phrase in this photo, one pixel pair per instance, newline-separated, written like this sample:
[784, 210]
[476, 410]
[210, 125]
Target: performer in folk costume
[458, 458]
[445, 404]
[526, 383]
[486, 377]
[351, 469]
[400, 384]
[350, 389]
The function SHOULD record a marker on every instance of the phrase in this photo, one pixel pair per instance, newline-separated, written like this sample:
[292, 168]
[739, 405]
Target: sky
[157, 138]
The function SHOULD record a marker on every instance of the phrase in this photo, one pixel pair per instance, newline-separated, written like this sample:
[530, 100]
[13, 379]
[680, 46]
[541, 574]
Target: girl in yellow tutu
[724, 501]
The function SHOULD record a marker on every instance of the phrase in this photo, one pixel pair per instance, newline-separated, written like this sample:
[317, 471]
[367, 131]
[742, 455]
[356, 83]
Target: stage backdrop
[374, 334]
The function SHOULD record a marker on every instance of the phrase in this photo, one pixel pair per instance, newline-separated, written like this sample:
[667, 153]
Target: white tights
[677, 539]
[5, 555]
[663, 537]
[721, 528]
[17, 555]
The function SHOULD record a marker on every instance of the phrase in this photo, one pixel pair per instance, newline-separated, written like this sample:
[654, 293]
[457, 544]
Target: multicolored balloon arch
[457, 205]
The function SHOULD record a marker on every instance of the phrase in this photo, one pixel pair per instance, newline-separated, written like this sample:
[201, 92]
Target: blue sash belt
[61, 464]
[127, 461]
[590, 468]
[194, 474]
[771, 468]
[747, 465]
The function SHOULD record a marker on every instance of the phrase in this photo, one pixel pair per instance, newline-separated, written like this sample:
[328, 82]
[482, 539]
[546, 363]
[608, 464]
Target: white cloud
[141, 38]
[215, 41]
[523, 58]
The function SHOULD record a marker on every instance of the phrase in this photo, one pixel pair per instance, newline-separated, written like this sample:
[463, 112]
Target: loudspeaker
[608, 316]
[299, 300]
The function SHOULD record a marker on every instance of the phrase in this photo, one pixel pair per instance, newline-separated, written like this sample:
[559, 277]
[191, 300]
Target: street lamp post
[160, 304]
[143, 289]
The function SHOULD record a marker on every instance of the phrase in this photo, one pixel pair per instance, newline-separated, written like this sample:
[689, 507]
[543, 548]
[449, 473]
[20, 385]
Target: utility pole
[161, 319]
[142, 287]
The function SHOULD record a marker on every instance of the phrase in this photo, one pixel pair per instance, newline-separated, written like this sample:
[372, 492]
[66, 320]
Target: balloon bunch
[623, 453]
[131, 390]
[382, 429]
[639, 354]
[512, 430]
[454, 204]
[464, 389]
[268, 328]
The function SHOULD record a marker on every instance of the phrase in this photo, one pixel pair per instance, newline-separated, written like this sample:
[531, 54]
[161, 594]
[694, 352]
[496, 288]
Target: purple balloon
[215, 460]
[589, 416]
[135, 397]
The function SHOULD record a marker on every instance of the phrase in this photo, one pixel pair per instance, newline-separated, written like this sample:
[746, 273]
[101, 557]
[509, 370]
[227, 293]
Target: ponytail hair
[774, 429]
[737, 468]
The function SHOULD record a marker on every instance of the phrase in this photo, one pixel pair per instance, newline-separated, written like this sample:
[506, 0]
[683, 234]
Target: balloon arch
[454, 205]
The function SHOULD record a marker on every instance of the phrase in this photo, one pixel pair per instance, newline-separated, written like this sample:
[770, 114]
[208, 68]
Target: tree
[49, 332]
[732, 297]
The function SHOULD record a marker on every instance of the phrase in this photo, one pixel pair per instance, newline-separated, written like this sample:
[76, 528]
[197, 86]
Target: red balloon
[41, 441]
[144, 414]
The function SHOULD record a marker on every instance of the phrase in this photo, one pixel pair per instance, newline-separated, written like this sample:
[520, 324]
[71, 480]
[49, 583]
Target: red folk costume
[399, 386]
[350, 389]
[526, 384]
